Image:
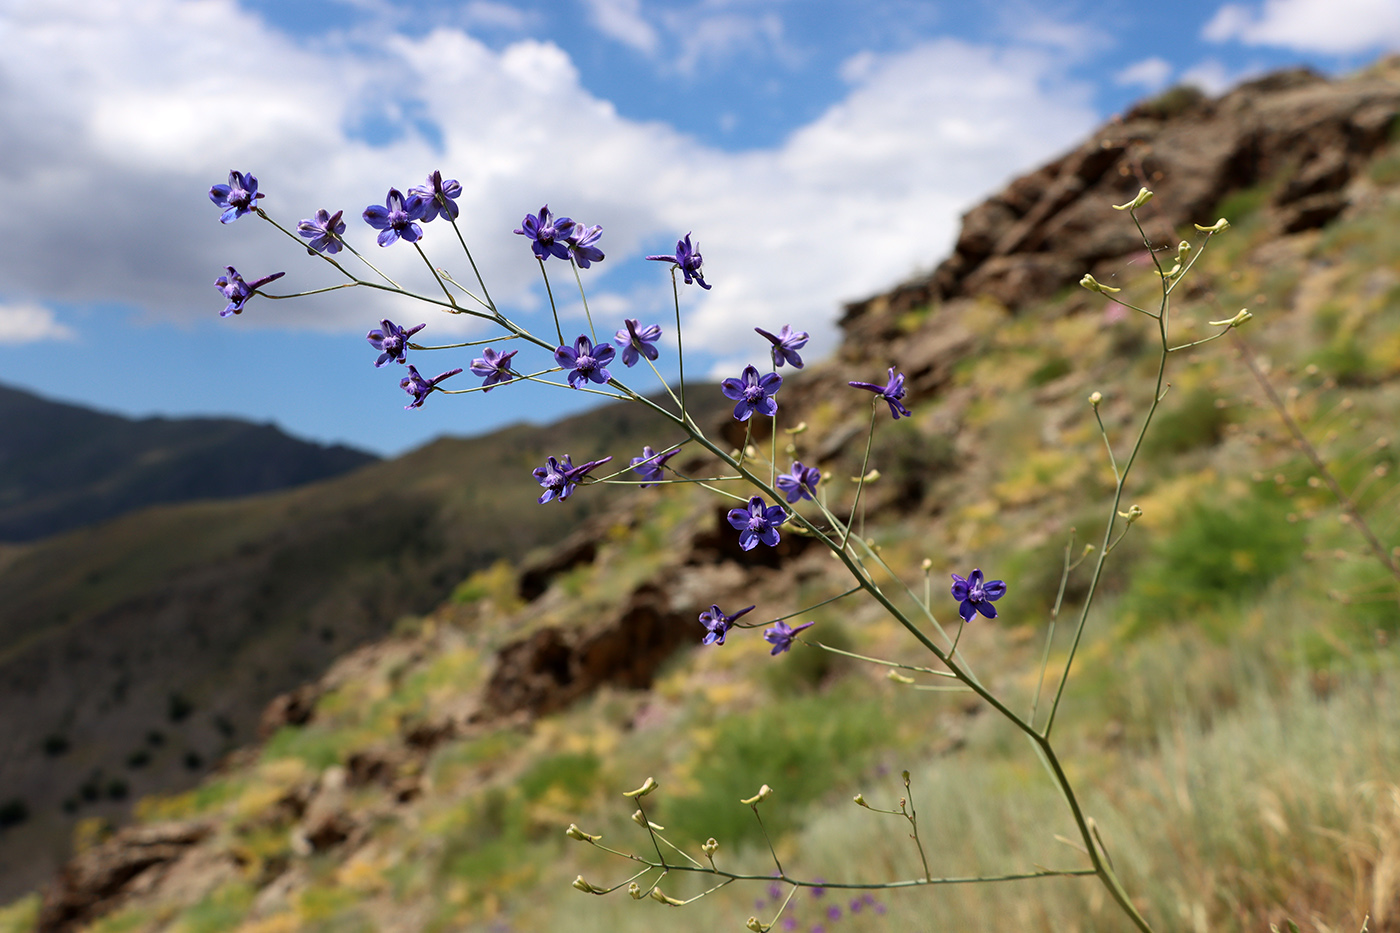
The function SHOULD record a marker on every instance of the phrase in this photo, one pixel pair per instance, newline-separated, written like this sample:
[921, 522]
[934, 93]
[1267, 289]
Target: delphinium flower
[800, 483]
[634, 341]
[757, 522]
[688, 259]
[585, 361]
[786, 343]
[395, 218]
[494, 367]
[418, 387]
[549, 236]
[753, 393]
[649, 465]
[391, 341]
[718, 624]
[580, 242]
[780, 636]
[238, 291]
[559, 478]
[324, 231]
[976, 595]
[891, 392]
[237, 198]
[437, 197]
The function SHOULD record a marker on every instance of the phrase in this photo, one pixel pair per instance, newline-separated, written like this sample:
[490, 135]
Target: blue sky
[820, 150]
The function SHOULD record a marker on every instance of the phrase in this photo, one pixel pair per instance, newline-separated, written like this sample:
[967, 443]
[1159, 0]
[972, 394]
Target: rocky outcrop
[1306, 136]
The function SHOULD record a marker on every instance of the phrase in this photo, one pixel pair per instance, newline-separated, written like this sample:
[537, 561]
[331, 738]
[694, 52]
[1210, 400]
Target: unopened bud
[1143, 196]
[647, 787]
[870, 477]
[1235, 321]
[905, 775]
[1095, 398]
[1094, 285]
[757, 926]
[710, 847]
[634, 891]
[801, 426]
[1132, 515]
[1173, 271]
[927, 565]
[657, 895]
[585, 887]
[1182, 249]
[763, 794]
[860, 801]
[899, 678]
[573, 832]
[1219, 226]
[640, 819]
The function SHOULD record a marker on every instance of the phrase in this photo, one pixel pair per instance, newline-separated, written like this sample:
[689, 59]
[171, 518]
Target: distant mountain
[64, 467]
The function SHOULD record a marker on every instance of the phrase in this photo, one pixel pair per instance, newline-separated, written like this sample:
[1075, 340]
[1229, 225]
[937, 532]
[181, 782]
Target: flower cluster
[561, 237]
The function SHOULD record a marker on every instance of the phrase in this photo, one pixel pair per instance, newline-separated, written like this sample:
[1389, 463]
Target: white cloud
[30, 323]
[1333, 26]
[1211, 76]
[1150, 74]
[622, 20]
[123, 113]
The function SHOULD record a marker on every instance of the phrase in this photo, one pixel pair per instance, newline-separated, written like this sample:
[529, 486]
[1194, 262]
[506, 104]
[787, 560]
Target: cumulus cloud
[1150, 74]
[1338, 27]
[123, 114]
[30, 323]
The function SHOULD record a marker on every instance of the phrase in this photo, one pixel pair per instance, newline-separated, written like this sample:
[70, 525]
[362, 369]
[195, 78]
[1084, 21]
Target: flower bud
[1143, 196]
[927, 565]
[710, 847]
[1172, 272]
[1132, 515]
[860, 801]
[647, 787]
[1182, 249]
[757, 927]
[640, 819]
[1094, 285]
[1219, 226]
[898, 678]
[573, 832]
[1095, 398]
[763, 794]
[657, 895]
[1235, 321]
[634, 891]
[801, 427]
[585, 887]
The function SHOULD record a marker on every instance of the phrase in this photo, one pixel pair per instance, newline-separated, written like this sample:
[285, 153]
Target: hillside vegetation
[1232, 717]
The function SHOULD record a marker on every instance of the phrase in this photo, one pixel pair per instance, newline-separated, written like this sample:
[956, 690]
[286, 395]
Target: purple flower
[586, 361]
[688, 258]
[800, 483]
[551, 237]
[391, 341]
[495, 367]
[324, 231]
[785, 345]
[752, 393]
[977, 596]
[238, 291]
[437, 197]
[833, 912]
[559, 479]
[719, 624]
[237, 198]
[395, 218]
[780, 636]
[891, 392]
[648, 465]
[581, 240]
[418, 387]
[757, 522]
[633, 341]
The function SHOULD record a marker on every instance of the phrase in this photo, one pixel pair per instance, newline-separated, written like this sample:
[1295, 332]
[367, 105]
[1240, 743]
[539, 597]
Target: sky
[817, 151]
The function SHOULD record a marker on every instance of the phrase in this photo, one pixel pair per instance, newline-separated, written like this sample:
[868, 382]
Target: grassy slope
[1232, 718]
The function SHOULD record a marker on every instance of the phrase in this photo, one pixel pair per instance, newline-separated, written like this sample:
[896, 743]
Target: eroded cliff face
[1303, 141]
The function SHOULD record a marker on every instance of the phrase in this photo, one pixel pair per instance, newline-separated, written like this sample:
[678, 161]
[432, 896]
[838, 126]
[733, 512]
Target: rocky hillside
[64, 467]
[423, 783]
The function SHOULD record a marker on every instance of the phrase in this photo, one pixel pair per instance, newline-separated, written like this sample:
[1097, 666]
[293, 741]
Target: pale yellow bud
[1142, 197]
[585, 887]
[1094, 285]
[860, 801]
[1095, 398]
[647, 787]
[898, 678]
[1219, 226]
[573, 832]
[1235, 321]
[763, 794]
